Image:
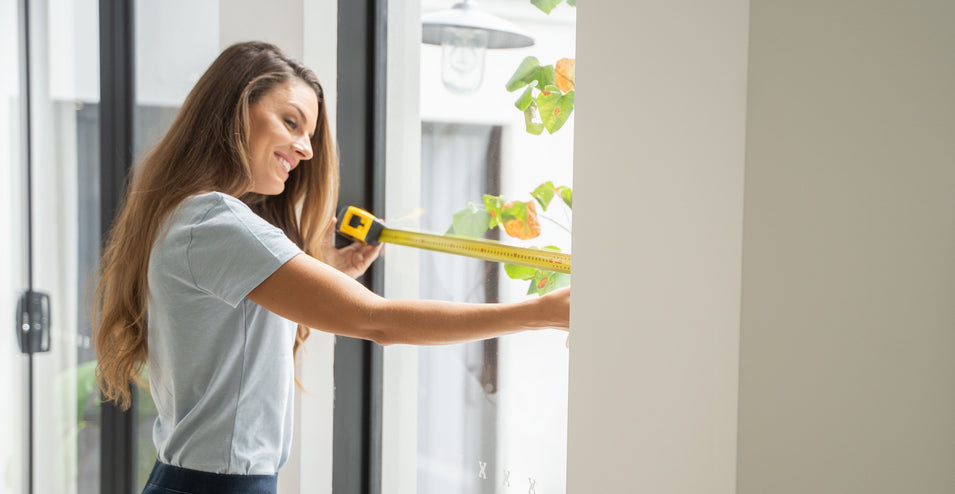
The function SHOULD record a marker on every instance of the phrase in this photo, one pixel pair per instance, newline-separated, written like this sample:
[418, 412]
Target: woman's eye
[291, 123]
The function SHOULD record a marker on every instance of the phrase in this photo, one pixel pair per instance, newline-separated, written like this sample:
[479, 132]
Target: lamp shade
[465, 15]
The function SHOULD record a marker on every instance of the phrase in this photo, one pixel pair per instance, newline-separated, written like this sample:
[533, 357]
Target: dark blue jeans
[167, 479]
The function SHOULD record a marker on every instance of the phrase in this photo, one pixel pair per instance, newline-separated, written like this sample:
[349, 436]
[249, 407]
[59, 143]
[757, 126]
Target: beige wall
[848, 323]
[658, 213]
[846, 334]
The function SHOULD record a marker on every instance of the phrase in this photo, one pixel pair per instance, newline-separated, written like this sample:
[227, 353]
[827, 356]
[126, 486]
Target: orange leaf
[564, 74]
[514, 228]
[524, 230]
[533, 226]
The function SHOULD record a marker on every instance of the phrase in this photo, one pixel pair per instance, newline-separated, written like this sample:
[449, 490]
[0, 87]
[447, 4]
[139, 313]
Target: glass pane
[458, 404]
[65, 214]
[175, 42]
[491, 416]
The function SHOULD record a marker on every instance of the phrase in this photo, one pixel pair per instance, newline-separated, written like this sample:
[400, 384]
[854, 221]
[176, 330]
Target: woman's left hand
[353, 259]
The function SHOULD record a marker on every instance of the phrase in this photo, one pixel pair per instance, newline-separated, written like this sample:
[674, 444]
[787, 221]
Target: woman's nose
[303, 147]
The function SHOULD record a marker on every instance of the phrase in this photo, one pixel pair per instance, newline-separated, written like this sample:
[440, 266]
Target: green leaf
[493, 204]
[526, 99]
[471, 221]
[517, 210]
[555, 108]
[532, 122]
[542, 280]
[516, 272]
[558, 281]
[545, 282]
[544, 193]
[567, 195]
[546, 5]
[572, 3]
[525, 74]
[545, 77]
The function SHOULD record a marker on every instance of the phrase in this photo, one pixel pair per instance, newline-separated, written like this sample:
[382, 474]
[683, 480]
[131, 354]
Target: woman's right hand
[555, 309]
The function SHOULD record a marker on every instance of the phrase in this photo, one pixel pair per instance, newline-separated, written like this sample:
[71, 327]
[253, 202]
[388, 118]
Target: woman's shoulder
[216, 219]
[210, 204]
[222, 214]
[197, 209]
[209, 200]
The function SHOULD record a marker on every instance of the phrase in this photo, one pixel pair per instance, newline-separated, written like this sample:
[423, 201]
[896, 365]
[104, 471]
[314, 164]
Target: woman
[221, 260]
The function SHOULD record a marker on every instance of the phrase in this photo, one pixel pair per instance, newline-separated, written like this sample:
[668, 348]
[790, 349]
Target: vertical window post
[361, 124]
[117, 83]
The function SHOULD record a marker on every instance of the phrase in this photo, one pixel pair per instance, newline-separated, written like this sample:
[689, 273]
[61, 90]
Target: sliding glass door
[49, 218]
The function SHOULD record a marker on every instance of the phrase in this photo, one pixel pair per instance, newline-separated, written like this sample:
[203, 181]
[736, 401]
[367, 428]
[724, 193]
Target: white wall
[848, 327]
[280, 22]
[661, 90]
[176, 40]
[73, 34]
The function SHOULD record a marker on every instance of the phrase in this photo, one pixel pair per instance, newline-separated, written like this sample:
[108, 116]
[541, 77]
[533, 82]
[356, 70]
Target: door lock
[33, 322]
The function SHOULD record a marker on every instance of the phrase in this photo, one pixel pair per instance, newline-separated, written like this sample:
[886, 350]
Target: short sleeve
[232, 250]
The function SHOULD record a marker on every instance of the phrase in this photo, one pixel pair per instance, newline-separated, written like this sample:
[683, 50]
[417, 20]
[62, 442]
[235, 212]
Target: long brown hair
[205, 150]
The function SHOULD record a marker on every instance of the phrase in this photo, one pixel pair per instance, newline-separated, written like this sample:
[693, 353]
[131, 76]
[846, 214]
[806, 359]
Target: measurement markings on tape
[361, 225]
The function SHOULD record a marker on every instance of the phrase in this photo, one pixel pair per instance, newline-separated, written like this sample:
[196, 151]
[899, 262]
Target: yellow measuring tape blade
[481, 249]
[358, 224]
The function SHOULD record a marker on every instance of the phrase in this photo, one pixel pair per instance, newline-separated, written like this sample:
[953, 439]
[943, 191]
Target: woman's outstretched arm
[312, 293]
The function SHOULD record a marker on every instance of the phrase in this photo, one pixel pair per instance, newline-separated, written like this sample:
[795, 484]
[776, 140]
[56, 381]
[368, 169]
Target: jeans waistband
[197, 482]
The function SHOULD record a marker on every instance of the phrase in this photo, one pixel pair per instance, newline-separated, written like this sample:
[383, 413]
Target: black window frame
[362, 43]
[117, 103]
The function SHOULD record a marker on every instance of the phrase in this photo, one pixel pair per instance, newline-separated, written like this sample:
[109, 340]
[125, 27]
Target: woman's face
[282, 123]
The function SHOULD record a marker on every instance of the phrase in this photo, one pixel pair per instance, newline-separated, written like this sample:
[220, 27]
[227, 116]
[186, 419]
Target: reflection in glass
[462, 58]
[465, 32]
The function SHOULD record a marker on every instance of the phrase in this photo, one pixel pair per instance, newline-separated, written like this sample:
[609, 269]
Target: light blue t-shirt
[220, 366]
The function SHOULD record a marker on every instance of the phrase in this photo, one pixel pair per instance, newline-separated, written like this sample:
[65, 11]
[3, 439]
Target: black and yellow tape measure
[358, 224]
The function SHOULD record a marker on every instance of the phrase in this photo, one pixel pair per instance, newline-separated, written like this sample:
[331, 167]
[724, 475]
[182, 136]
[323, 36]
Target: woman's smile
[286, 162]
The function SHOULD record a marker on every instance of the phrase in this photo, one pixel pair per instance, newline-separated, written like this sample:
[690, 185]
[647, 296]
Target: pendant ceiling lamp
[465, 33]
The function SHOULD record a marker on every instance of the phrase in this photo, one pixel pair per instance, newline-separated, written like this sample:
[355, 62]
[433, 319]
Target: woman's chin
[273, 190]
